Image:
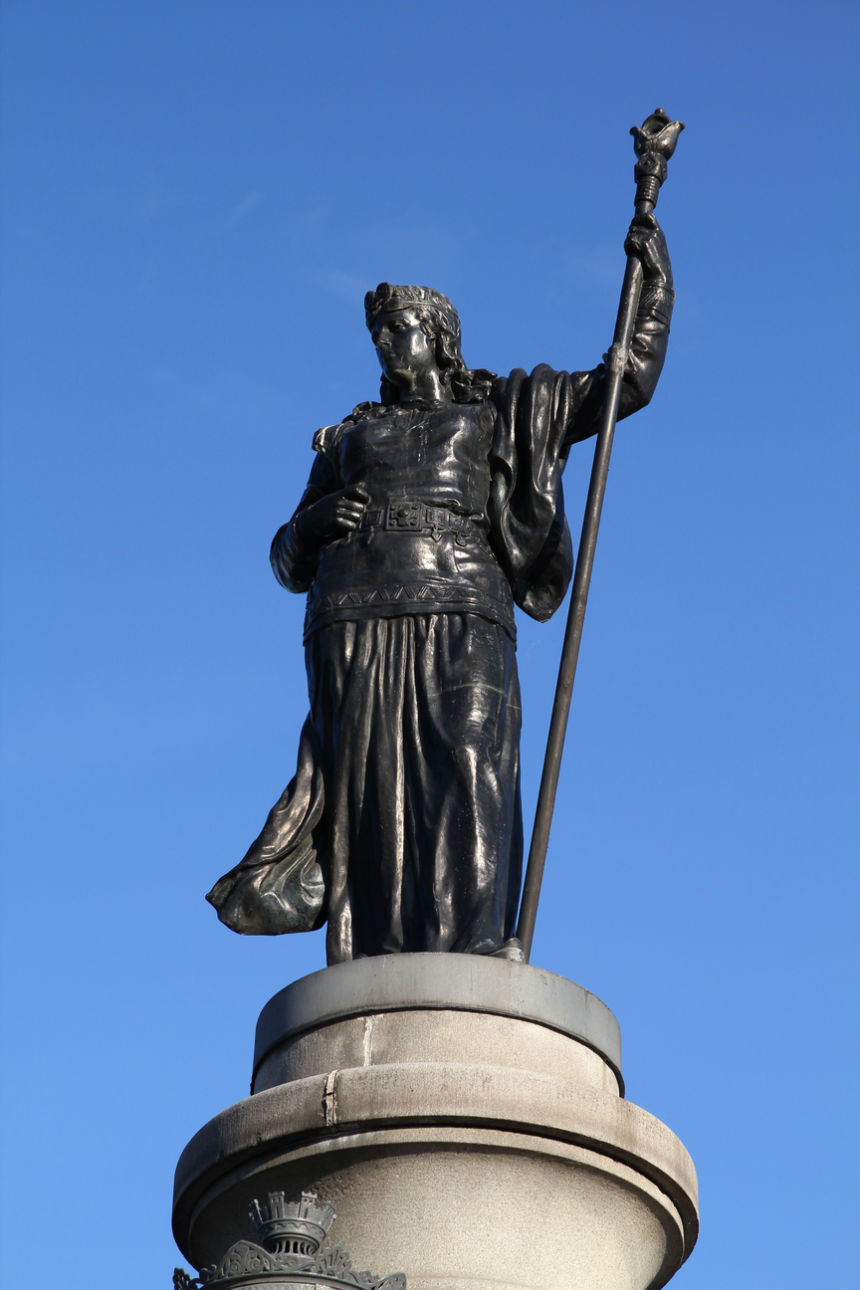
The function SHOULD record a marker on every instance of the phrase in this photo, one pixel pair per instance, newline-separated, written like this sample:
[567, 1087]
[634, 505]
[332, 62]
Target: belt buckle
[403, 515]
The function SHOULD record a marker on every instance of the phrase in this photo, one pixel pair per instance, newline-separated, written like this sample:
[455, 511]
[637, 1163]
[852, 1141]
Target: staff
[654, 142]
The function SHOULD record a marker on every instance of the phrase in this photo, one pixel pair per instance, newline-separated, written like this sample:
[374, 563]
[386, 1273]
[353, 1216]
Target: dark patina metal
[428, 515]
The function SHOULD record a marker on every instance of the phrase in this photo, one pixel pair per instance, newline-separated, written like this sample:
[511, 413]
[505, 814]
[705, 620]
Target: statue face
[405, 351]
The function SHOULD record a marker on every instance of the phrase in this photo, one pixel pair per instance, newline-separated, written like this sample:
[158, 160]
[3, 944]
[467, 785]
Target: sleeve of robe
[294, 560]
[538, 417]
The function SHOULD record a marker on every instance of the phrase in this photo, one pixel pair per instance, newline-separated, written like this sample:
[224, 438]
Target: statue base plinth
[465, 1118]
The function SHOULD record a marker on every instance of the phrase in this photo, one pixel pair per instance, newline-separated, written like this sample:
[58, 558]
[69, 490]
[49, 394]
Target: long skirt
[418, 724]
[402, 826]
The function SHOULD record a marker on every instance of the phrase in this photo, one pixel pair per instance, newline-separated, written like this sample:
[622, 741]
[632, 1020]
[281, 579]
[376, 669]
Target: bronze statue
[427, 516]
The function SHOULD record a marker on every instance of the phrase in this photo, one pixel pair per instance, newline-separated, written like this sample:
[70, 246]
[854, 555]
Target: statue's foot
[512, 949]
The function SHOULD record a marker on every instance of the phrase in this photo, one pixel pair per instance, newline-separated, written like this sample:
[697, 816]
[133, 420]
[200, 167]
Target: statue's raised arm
[647, 353]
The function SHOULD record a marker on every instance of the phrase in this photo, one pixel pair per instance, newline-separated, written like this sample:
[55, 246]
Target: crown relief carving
[290, 1256]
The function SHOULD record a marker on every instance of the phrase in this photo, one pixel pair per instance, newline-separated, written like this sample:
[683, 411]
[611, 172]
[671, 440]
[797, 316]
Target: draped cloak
[300, 871]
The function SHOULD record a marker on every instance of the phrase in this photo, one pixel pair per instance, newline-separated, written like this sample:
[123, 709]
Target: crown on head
[292, 1227]
[387, 299]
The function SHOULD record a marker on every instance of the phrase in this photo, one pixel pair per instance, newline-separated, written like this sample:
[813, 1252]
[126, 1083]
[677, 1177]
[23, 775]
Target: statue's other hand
[645, 240]
[334, 515]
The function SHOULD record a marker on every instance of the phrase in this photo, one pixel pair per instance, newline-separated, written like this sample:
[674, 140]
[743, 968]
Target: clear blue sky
[197, 195]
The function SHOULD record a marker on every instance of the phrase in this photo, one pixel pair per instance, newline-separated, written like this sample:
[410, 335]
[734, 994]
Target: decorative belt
[415, 517]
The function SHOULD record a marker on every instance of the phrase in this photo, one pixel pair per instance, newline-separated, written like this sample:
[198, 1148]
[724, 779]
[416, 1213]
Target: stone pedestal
[464, 1116]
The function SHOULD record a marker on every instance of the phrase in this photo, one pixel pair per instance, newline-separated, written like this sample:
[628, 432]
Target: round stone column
[465, 1117]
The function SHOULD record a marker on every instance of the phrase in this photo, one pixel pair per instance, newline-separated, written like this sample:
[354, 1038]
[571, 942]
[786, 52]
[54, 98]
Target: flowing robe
[402, 827]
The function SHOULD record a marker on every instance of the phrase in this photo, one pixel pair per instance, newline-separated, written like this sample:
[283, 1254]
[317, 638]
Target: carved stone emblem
[290, 1256]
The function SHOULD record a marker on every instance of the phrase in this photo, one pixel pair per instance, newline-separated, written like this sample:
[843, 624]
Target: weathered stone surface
[437, 1007]
[527, 1170]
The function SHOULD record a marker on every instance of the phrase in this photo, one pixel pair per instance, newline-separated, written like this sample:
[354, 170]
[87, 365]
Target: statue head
[438, 321]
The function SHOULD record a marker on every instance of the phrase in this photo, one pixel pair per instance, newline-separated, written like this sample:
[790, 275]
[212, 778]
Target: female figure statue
[426, 517]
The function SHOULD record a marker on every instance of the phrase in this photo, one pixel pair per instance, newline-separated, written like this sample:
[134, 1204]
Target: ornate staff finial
[653, 142]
